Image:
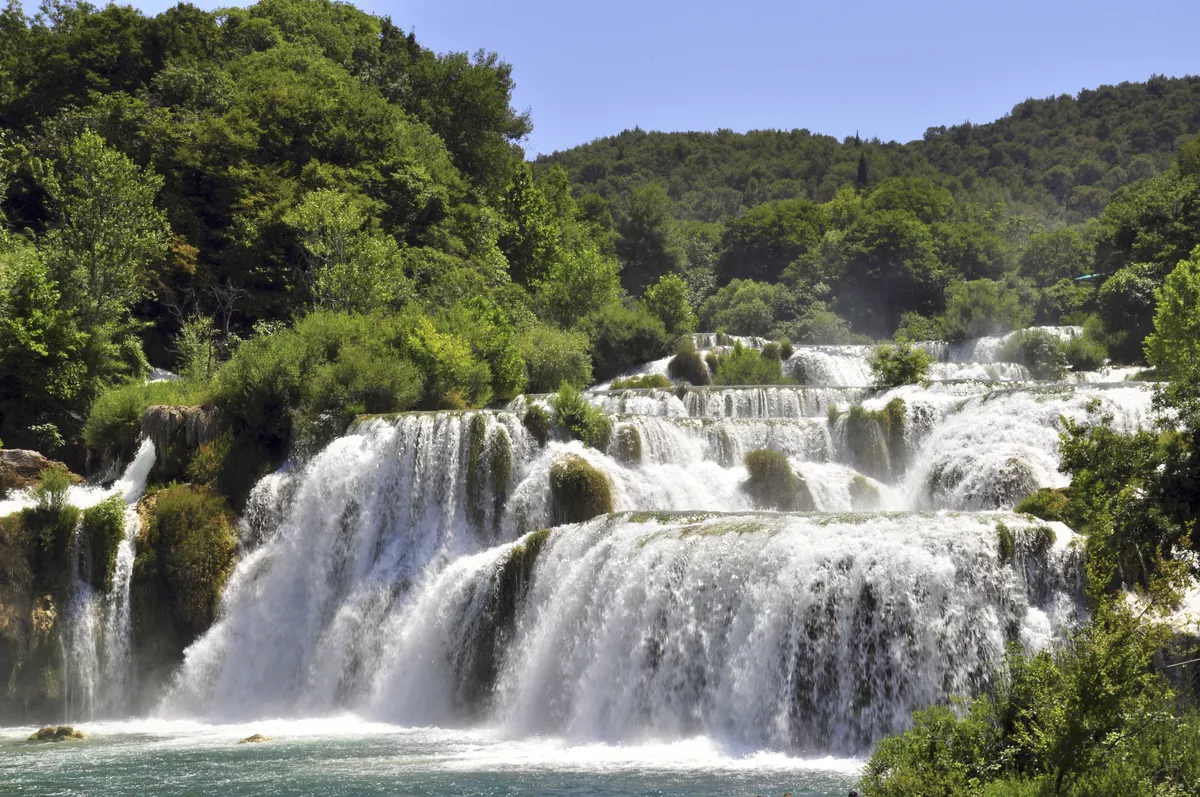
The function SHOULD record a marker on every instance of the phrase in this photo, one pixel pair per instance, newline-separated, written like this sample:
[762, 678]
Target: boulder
[57, 733]
[20, 468]
[176, 433]
[255, 739]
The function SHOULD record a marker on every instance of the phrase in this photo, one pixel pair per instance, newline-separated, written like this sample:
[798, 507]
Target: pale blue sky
[886, 69]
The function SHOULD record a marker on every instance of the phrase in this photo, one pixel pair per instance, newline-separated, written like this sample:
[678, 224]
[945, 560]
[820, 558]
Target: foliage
[818, 324]
[745, 366]
[687, 363]
[622, 337]
[745, 307]
[1046, 504]
[1038, 350]
[537, 422]
[983, 307]
[578, 283]
[1084, 352]
[901, 363]
[115, 418]
[103, 528]
[553, 356]
[668, 301]
[573, 412]
[916, 327]
[1175, 342]
[640, 382]
[186, 554]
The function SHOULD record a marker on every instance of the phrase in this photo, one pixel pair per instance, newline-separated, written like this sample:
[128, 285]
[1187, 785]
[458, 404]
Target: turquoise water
[346, 756]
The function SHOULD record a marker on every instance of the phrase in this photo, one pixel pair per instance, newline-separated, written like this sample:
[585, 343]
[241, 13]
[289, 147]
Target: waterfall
[98, 630]
[406, 573]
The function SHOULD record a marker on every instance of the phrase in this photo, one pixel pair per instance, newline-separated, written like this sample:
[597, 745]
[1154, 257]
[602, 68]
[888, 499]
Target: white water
[98, 635]
[390, 577]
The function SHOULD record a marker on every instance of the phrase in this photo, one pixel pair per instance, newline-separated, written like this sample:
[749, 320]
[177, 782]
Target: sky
[882, 69]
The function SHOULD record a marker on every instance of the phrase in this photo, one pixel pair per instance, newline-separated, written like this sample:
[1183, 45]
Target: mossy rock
[257, 738]
[1046, 504]
[772, 484]
[864, 496]
[57, 733]
[578, 491]
[628, 445]
[537, 422]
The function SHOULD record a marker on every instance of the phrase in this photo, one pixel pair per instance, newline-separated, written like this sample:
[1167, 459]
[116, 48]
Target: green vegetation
[1039, 351]
[103, 528]
[578, 491]
[184, 557]
[1175, 342]
[745, 366]
[687, 364]
[115, 418]
[772, 484]
[573, 412]
[537, 422]
[641, 382]
[554, 356]
[902, 363]
[628, 445]
[1046, 504]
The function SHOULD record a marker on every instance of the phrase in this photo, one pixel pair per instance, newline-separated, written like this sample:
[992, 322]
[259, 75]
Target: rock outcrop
[176, 433]
[255, 739]
[20, 468]
[57, 733]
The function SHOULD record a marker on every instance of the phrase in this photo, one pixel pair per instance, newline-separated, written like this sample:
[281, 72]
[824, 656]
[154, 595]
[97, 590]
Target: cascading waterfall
[98, 634]
[403, 574]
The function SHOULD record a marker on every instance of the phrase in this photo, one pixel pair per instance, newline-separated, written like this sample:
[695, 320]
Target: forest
[309, 217]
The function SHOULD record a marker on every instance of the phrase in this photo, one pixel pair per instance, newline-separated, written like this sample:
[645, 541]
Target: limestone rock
[176, 433]
[57, 733]
[255, 739]
[20, 468]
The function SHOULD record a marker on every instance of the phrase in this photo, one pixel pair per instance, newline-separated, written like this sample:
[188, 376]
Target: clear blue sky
[885, 69]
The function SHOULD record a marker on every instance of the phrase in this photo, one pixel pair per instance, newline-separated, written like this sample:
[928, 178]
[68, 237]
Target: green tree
[108, 234]
[928, 202]
[668, 300]
[578, 283]
[646, 247]
[983, 307]
[1051, 256]
[1175, 342]
[761, 243]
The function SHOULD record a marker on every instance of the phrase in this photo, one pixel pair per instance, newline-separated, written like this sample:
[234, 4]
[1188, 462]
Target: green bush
[687, 363]
[1046, 504]
[104, 527]
[628, 445]
[622, 337]
[820, 325]
[898, 364]
[537, 423]
[578, 492]
[554, 356]
[745, 366]
[916, 327]
[1037, 350]
[573, 412]
[48, 527]
[641, 382]
[983, 307]
[1084, 353]
[115, 418]
[186, 555]
[772, 484]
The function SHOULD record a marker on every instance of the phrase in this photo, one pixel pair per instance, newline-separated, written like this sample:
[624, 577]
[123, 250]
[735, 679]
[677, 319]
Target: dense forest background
[309, 215]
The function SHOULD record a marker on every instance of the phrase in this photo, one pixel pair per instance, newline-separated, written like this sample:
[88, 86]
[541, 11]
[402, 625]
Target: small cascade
[98, 634]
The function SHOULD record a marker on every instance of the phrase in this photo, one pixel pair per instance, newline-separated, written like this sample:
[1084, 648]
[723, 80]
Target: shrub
[1037, 350]
[578, 492]
[104, 527]
[745, 366]
[585, 422]
[772, 484]
[554, 356]
[899, 364]
[1084, 353]
[628, 445]
[186, 555]
[622, 337]
[820, 325]
[667, 300]
[687, 363]
[915, 327]
[1175, 343]
[641, 382]
[1046, 504]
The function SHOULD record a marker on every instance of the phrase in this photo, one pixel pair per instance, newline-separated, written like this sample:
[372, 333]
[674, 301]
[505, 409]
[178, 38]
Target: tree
[668, 300]
[108, 233]
[928, 202]
[899, 364]
[348, 265]
[761, 243]
[983, 307]
[645, 246]
[1175, 342]
[1054, 255]
[578, 283]
[531, 233]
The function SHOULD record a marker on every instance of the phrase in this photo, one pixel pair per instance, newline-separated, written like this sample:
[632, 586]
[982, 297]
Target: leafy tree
[760, 244]
[622, 337]
[928, 202]
[645, 247]
[982, 307]
[902, 363]
[1175, 342]
[745, 307]
[668, 300]
[578, 283]
[108, 233]
[1052, 256]
[531, 236]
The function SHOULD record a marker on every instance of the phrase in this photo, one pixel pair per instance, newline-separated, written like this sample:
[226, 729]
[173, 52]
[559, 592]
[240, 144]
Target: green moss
[864, 496]
[476, 437]
[537, 422]
[688, 365]
[772, 484]
[1007, 545]
[629, 445]
[641, 382]
[103, 528]
[1045, 504]
[875, 438]
[500, 459]
[578, 491]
